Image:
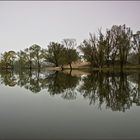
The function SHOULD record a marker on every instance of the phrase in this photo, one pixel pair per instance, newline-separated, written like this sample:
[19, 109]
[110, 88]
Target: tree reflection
[135, 78]
[55, 83]
[29, 80]
[60, 83]
[112, 89]
[8, 78]
[116, 91]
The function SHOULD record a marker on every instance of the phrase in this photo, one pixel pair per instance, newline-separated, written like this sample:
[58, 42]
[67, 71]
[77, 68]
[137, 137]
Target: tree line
[118, 45]
[57, 54]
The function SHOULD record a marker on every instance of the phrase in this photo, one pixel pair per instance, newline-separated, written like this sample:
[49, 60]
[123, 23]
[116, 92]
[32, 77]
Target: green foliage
[25, 58]
[89, 50]
[36, 54]
[56, 54]
[71, 54]
[115, 46]
[124, 35]
[7, 59]
[30, 57]
[101, 46]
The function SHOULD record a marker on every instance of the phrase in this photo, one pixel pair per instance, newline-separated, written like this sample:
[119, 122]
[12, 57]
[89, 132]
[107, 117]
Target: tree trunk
[62, 67]
[30, 65]
[70, 66]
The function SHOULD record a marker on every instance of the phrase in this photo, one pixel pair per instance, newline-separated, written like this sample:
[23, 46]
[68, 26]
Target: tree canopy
[115, 46]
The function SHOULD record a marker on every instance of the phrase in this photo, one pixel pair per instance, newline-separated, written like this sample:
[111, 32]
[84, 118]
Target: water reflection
[117, 91]
[60, 83]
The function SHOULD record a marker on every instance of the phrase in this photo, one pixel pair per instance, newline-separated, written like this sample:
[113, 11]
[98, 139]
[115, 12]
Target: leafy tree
[71, 53]
[124, 36]
[56, 54]
[108, 47]
[27, 56]
[101, 46]
[21, 61]
[7, 59]
[37, 55]
[113, 40]
[89, 50]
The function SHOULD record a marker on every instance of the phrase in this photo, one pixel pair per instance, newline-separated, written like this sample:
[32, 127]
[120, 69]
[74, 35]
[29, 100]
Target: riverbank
[86, 66]
[83, 66]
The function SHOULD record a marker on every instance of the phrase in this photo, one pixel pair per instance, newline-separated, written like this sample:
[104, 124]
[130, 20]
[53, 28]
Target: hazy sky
[24, 23]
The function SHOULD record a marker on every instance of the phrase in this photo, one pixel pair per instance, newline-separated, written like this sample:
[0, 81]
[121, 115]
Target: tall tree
[124, 36]
[71, 53]
[21, 61]
[113, 44]
[108, 47]
[27, 56]
[36, 54]
[56, 54]
[101, 46]
[89, 50]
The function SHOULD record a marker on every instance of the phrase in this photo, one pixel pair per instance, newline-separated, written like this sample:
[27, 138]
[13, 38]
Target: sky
[24, 23]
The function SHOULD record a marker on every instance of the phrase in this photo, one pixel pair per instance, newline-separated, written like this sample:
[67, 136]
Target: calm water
[66, 106]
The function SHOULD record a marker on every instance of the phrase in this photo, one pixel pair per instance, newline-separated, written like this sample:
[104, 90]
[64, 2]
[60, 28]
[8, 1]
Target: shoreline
[86, 68]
